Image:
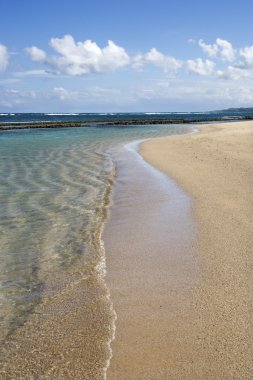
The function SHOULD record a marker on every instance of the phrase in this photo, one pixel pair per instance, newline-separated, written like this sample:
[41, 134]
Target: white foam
[158, 113]
[62, 114]
[101, 270]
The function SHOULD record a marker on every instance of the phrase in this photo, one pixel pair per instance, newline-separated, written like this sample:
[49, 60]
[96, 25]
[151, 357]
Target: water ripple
[53, 187]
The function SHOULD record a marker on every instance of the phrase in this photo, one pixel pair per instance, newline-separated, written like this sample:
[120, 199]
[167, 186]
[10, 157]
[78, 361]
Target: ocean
[55, 189]
[111, 116]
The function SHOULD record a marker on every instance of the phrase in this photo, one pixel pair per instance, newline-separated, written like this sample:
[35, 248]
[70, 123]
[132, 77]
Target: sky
[125, 56]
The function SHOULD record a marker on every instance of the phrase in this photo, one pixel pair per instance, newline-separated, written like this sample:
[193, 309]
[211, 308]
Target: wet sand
[151, 271]
[185, 310]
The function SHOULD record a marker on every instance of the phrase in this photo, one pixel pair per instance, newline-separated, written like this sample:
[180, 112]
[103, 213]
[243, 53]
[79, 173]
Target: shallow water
[55, 187]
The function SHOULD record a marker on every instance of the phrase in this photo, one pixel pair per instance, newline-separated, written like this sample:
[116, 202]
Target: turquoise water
[54, 186]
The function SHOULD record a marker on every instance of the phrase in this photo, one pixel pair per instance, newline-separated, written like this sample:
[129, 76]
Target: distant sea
[55, 187]
[44, 117]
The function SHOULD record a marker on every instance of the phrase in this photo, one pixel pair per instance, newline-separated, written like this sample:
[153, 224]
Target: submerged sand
[198, 329]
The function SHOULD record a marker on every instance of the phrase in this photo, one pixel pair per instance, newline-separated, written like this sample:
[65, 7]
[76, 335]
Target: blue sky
[92, 56]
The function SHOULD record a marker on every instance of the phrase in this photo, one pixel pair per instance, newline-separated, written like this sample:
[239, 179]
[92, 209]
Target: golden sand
[204, 331]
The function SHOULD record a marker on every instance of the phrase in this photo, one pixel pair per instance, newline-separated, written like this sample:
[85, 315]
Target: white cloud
[11, 97]
[81, 58]
[234, 73]
[221, 48]
[36, 54]
[4, 57]
[210, 50]
[224, 79]
[64, 94]
[138, 61]
[201, 94]
[166, 62]
[200, 66]
[247, 54]
[226, 50]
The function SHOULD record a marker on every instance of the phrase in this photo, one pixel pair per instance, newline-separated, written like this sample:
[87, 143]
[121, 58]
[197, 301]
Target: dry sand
[201, 329]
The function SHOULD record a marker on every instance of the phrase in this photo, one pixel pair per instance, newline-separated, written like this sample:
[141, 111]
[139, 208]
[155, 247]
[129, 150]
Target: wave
[101, 114]
[152, 113]
[62, 114]
[163, 113]
[177, 113]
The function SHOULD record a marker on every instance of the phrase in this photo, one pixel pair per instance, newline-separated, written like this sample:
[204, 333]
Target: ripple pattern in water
[53, 185]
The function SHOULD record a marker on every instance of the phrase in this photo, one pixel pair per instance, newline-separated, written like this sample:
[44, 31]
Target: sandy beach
[185, 309]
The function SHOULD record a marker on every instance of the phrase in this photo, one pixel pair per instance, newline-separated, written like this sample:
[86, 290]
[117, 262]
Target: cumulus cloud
[81, 58]
[226, 50]
[221, 48]
[210, 50]
[247, 54]
[200, 66]
[234, 73]
[166, 62]
[36, 54]
[4, 57]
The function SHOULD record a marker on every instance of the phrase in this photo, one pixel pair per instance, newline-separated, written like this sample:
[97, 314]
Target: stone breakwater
[100, 123]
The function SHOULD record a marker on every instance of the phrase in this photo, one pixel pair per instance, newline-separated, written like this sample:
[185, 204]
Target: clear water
[53, 188]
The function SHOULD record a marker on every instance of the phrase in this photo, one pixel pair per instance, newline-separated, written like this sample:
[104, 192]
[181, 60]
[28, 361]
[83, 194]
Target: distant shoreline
[6, 126]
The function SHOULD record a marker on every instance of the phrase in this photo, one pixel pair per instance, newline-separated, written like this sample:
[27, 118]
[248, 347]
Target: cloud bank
[81, 58]
[221, 74]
